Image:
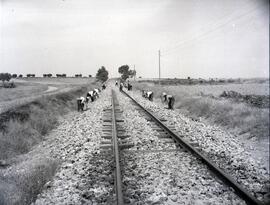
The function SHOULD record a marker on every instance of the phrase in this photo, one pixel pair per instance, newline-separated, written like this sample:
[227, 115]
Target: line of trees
[30, 75]
[45, 75]
[61, 75]
[101, 75]
[16, 76]
[49, 75]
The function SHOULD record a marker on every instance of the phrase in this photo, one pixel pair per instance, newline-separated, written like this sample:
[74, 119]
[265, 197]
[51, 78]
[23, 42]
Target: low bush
[261, 101]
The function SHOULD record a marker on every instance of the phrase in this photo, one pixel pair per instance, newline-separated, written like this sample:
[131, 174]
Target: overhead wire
[206, 34]
[211, 24]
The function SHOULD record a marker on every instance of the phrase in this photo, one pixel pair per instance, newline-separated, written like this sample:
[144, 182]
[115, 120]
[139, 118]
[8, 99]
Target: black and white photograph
[140, 102]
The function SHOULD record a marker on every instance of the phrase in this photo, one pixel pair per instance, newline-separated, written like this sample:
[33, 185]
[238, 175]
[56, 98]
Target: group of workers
[165, 98]
[148, 94]
[91, 96]
[126, 85]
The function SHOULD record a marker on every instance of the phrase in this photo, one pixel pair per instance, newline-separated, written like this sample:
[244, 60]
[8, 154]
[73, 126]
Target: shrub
[5, 77]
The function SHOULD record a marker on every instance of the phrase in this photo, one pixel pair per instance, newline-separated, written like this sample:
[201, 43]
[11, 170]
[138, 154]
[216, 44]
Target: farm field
[216, 90]
[58, 81]
[246, 88]
[28, 89]
[205, 101]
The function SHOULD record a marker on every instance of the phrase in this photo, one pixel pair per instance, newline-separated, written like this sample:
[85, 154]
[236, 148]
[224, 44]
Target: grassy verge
[24, 126]
[24, 181]
[20, 129]
[232, 115]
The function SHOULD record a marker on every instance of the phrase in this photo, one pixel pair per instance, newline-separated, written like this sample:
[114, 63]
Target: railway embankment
[222, 147]
[26, 133]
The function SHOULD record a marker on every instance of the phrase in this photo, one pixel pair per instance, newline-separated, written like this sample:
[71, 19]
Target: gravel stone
[217, 144]
[155, 172]
[84, 175]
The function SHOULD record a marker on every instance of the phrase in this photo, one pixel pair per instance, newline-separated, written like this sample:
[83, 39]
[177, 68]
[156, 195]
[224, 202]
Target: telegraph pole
[159, 67]
[134, 73]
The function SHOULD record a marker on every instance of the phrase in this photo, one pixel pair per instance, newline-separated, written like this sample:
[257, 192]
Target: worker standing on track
[81, 102]
[121, 87]
[171, 100]
[164, 97]
[129, 86]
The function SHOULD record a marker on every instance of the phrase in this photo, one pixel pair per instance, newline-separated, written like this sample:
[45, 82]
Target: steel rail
[118, 180]
[240, 191]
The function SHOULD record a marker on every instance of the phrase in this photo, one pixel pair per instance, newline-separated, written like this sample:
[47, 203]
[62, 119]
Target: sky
[199, 39]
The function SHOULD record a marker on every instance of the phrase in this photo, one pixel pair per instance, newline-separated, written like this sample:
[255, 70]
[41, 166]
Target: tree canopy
[102, 74]
[126, 73]
[5, 76]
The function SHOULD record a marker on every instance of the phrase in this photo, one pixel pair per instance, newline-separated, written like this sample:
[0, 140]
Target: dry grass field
[22, 89]
[247, 86]
[205, 101]
[216, 90]
[29, 89]
[58, 81]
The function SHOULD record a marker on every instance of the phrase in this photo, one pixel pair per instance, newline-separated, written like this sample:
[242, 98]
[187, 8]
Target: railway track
[228, 180]
[118, 179]
[113, 130]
